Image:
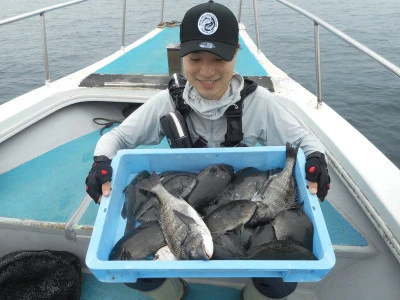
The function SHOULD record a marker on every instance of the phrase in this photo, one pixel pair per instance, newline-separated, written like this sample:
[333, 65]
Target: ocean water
[359, 89]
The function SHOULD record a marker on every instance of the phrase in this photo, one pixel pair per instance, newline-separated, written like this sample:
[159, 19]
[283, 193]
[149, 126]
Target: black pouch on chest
[175, 129]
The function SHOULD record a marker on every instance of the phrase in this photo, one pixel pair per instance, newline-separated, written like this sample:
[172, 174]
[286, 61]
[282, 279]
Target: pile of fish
[216, 214]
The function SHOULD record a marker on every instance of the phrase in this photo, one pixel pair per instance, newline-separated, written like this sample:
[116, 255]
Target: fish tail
[291, 151]
[150, 184]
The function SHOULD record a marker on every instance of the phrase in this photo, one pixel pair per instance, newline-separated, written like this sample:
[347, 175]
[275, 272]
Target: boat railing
[41, 12]
[317, 23]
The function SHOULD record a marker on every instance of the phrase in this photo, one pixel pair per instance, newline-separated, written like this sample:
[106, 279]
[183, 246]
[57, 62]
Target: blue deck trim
[341, 232]
[151, 58]
[66, 167]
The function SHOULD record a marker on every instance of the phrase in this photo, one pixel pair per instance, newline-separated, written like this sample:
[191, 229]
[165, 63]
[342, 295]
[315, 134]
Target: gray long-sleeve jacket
[264, 121]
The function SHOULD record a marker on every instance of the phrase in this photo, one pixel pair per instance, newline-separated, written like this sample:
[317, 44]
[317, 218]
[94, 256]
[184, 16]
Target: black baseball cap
[210, 27]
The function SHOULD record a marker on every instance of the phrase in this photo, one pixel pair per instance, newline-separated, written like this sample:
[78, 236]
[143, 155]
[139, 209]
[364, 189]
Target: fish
[164, 254]
[150, 210]
[134, 200]
[185, 232]
[227, 246]
[244, 185]
[279, 250]
[278, 192]
[245, 236]
[262, 234]
[136, 244]
[294, 225]
[178, 183]
[211, 182]
[230, 216]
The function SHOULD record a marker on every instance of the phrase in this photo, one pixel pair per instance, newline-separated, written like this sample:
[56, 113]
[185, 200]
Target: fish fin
[140, 176]
[188, 221]
[130, 226]
[291, 151]
[292, 203]
[239, 229]
[150, 183]
[143, 207]
[123, 211]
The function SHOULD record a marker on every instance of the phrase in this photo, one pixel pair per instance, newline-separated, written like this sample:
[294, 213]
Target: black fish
[134, 200]
[245, 236]
[262, 234]
[186, 233]
[294, 225]
[150, 211]
[175, 182]
[279, 250]
[244, 185]
[227, 246]
[179, 183]
[211, 182]
[230, 216]
[143, 241]
[278, 193]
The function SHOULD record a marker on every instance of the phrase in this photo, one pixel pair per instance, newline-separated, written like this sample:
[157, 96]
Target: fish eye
[192, 252]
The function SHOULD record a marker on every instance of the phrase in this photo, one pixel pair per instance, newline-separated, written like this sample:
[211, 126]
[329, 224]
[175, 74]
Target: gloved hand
[99, 174]
[317, 171]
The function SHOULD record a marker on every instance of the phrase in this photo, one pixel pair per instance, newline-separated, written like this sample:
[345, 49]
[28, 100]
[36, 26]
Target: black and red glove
[101, 172]
[317, 171]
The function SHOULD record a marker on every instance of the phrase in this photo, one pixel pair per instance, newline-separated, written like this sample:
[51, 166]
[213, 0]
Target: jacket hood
[214, 109]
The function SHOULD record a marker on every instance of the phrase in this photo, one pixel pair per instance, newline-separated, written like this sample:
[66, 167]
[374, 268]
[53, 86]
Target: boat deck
[94, 289]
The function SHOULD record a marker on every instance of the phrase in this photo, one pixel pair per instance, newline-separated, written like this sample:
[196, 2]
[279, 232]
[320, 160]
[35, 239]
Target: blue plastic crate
[109, 225]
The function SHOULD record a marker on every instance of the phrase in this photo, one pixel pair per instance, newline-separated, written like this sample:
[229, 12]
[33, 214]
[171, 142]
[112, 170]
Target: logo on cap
[208, 23]
[206, 45]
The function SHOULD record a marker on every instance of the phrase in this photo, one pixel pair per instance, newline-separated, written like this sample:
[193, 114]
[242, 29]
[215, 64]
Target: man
[209, 46]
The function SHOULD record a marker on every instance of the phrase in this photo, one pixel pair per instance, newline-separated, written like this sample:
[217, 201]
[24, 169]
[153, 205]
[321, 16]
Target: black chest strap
[176, 86]
[234, 113]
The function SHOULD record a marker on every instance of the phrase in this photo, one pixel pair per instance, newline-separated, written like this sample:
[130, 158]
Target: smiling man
[219, 108]
[209, 45]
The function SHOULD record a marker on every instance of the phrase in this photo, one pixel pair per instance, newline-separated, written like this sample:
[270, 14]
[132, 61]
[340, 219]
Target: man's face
[208, 73]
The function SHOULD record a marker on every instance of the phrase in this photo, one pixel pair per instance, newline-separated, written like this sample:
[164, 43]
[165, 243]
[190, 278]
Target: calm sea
[362, 91]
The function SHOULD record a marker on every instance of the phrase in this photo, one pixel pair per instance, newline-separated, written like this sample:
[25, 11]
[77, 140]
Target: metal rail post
[123, 24]
[240, 11]
[162, 12]
[318, 63]
[256, 23]
[44, 47]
